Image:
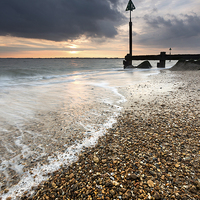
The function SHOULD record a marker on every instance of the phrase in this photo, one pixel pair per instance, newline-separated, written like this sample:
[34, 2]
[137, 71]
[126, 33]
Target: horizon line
[65, 58]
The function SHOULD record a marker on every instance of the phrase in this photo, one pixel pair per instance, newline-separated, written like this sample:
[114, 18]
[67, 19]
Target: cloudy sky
[97, 28]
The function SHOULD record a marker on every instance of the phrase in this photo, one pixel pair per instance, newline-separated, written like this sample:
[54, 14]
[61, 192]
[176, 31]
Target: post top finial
[130, 6]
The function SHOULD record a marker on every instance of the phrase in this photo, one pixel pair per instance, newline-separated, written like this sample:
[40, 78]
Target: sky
[97, 28]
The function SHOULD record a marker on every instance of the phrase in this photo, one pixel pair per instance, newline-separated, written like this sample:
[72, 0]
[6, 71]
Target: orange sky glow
[156, 28]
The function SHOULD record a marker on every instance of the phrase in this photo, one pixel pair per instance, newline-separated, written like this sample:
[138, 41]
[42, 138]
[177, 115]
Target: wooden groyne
[162, 57]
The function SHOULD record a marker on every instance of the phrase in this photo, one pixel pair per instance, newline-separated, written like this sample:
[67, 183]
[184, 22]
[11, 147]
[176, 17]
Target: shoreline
[138, 156]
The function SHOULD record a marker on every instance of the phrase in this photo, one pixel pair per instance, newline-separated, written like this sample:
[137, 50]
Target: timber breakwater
[162, 57]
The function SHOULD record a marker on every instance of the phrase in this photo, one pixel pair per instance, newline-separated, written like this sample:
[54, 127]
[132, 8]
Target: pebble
[150, 183]
[157, 196]
[150, 153]
[96, 159]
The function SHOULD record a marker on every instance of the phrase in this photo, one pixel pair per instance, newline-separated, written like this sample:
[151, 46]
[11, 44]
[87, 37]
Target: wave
[40, 172]
[27, 77]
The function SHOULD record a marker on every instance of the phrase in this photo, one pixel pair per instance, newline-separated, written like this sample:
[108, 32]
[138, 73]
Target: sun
[73, 52]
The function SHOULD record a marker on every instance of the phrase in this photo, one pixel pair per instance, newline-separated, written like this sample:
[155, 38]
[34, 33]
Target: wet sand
[152, 152]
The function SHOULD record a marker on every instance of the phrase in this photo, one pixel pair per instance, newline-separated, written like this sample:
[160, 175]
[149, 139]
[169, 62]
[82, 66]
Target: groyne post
[161, 64]
[130, 41]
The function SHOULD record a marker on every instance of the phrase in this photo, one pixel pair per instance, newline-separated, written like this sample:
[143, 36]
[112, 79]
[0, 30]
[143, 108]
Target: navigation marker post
[170, 52]
[130, 7]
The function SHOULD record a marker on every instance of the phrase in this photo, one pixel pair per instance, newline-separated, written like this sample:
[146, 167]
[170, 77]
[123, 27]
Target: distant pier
[162, 57]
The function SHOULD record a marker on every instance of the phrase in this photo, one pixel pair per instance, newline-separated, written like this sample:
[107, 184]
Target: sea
[51, 110]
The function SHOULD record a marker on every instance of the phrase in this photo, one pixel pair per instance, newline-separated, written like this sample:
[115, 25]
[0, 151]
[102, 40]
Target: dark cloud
[157, 22]
[59, 20]
[114, 1]
[180, 31]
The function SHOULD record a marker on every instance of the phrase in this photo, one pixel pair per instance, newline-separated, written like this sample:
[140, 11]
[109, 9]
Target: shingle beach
[152, 152]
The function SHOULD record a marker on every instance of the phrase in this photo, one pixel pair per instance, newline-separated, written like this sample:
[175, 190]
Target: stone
[96, 159]
[152, 173]
[115, 183]
[127, 195]
[163, 177]
[157, 196]
[150, 183]
[132, 177]
[71, 175]
[193, 189]
[183, 65]
[145, 65]
[177, 165]
[197, 183]
[112, 192]
[109, 184]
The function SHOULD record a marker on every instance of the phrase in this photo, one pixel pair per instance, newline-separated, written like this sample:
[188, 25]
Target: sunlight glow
[73, 52]
[73, 46]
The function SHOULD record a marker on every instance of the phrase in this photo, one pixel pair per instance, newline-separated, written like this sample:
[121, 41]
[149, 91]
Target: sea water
[52, 109]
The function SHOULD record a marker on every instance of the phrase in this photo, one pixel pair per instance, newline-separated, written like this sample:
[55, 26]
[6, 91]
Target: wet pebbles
[152, 152]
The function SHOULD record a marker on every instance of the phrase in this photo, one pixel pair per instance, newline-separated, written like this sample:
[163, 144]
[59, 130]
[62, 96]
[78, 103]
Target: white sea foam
[111, 88]
[39, 173]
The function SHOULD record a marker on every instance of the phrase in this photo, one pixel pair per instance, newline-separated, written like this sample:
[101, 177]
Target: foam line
[39, 173]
